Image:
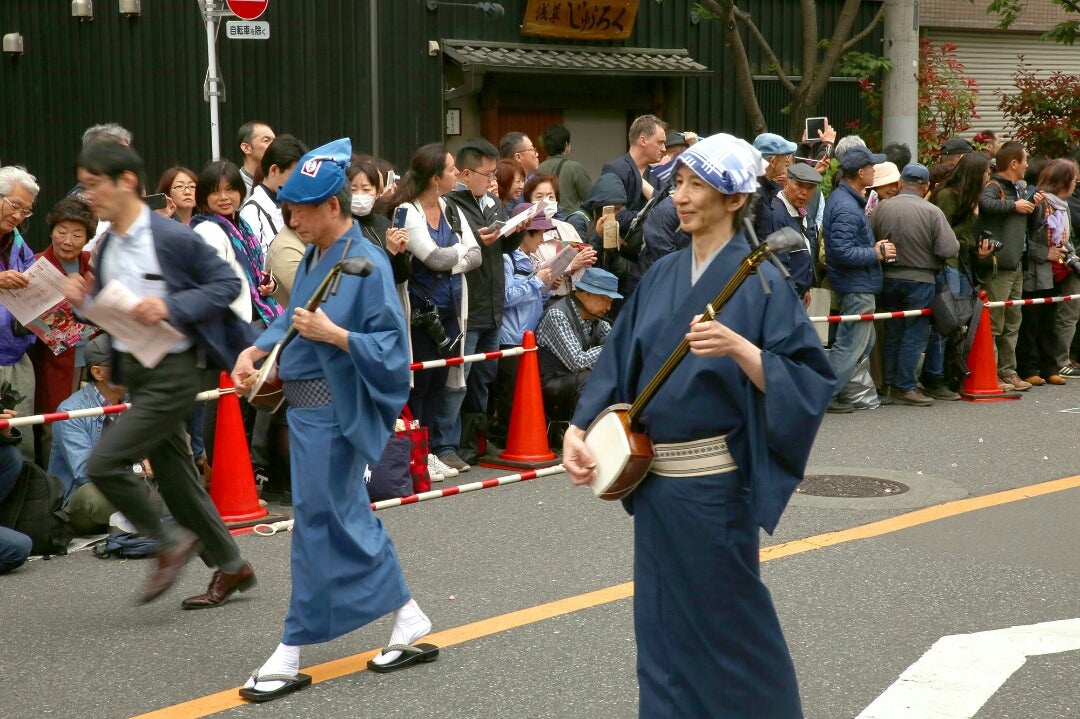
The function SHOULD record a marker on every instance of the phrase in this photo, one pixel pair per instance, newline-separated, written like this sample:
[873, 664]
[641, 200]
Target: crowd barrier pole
[270, 528]
[31, 419]
[466, 359]
[871, 316]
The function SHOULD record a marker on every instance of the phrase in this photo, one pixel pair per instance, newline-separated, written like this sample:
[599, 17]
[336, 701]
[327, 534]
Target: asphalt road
[527, 588]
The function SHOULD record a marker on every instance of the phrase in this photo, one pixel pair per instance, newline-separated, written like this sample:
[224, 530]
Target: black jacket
[487, 283]
[374, 228]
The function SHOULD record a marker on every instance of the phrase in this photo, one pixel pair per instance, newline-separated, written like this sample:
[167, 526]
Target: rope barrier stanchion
[96, 411]
[467, 359]
[268, 530]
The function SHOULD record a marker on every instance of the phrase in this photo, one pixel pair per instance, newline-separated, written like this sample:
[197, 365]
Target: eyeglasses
[488, 175]
[530, 149]
[183, 188]
[18, 209]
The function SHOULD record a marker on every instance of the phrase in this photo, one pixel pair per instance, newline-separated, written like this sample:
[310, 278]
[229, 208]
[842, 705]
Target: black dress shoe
[170, 562]
[222, 585]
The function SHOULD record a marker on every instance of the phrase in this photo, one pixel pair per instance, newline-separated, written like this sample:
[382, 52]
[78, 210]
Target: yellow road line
[229, 699]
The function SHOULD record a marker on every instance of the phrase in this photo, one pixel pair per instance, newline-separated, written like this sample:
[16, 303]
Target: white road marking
[960, 673]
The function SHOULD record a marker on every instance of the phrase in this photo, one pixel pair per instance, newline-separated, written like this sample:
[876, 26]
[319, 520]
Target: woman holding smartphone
[442, 248]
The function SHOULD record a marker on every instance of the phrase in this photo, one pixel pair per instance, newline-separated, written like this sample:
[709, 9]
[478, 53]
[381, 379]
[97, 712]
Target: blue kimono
[345, 571]
[709, 641]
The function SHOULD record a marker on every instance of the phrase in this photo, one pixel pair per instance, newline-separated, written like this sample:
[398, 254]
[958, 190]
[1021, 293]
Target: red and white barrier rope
[870, 317]
[268, 530]
[1033, 301]
[208, 395]
[451, 361]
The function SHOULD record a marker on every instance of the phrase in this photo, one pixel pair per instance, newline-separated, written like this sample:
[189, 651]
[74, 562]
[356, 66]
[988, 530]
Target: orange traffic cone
[232, 481]
[981, 384]
[527, 441]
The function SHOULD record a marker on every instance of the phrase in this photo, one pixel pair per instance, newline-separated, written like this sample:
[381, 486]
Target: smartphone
[495, 226]
[156, 202]
[813, 125]
[1030, 195]
[400, 214]
[391, 177]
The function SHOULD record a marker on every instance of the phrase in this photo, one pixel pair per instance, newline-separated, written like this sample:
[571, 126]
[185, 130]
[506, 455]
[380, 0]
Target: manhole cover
[847, 485]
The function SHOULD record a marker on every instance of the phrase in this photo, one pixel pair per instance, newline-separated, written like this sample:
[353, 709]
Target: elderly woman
[749, 395]
[71, 224]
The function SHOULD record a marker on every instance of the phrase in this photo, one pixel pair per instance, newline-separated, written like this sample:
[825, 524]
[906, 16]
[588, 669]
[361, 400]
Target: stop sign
[248, 9]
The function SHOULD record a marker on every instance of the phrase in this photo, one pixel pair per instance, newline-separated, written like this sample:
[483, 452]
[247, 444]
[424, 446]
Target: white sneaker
[436, 466]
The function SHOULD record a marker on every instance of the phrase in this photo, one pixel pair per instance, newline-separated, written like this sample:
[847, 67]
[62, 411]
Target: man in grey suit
[179, 279]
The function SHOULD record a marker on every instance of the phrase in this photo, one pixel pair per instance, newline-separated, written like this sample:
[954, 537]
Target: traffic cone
[232, 481]
[527, 441]
[981, 383]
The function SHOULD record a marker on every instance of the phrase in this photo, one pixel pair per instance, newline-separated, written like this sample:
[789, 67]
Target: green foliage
[1065, 32]
[1045, 111]
[866, 68]
[947, 97]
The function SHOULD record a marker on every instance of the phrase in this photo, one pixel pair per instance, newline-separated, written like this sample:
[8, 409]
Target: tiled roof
[516, 57]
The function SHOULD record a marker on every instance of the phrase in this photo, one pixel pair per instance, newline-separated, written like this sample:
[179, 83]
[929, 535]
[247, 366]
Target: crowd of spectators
[888, 235]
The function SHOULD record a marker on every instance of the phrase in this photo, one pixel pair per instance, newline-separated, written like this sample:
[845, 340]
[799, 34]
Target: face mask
[549, 208]
[362, 204]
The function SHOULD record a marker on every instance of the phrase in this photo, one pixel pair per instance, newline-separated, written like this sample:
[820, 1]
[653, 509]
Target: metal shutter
[991, 58]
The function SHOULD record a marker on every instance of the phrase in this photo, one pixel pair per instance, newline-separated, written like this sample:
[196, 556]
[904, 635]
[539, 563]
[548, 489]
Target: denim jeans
[905, 339]
[854, 340]
[446, 430]
[934, 361]
[14, 546]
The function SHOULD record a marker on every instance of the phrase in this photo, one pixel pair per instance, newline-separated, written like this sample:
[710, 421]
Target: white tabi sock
[410, 624]
[284, 660]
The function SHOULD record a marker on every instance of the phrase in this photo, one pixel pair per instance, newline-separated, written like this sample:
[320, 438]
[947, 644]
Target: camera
[995, 245]
[1073, 262]
[427, 319]
[9, 396]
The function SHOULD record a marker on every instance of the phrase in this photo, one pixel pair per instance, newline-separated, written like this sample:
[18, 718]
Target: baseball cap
[319, 175]
[956, 146]
[770, 145]
[675, 138]
[98, 352]
[858, 157]
[914, 172]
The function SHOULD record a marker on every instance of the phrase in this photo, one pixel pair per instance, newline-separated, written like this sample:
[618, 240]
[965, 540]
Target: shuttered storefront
[992, 59]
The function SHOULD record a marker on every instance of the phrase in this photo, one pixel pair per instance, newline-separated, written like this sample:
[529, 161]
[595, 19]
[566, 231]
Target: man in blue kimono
[346, 378]
[732, 427]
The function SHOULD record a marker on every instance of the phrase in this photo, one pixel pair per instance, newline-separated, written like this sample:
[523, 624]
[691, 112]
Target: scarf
[249, 253]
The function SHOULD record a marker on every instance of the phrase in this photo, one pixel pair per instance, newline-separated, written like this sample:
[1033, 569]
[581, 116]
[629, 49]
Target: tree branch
[774, 61]
[859, 37]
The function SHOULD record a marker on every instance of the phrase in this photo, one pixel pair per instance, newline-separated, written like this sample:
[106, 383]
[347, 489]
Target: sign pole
[213, 91]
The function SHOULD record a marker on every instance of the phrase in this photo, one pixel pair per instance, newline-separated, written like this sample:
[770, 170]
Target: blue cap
[769, 145]
[858, 157]
[915, 173]
[728, 163]
[599, 282]
[319, 175]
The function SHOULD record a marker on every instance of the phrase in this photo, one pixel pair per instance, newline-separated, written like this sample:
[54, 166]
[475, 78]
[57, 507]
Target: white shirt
[132, 260]
[216, 238]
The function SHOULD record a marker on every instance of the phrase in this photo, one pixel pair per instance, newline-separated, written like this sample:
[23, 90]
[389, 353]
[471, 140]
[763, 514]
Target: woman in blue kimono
[346, 378]
[752, 392]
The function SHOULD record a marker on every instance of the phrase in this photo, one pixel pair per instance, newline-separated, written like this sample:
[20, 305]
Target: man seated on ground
[14, 546]
[74, 440]
[569, 339]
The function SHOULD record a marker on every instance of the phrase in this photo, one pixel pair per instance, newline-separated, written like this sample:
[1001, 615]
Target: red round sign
[248, 9]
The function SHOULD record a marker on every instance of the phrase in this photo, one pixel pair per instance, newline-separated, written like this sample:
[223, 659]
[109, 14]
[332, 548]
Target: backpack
[126, 545]
[35, 508]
